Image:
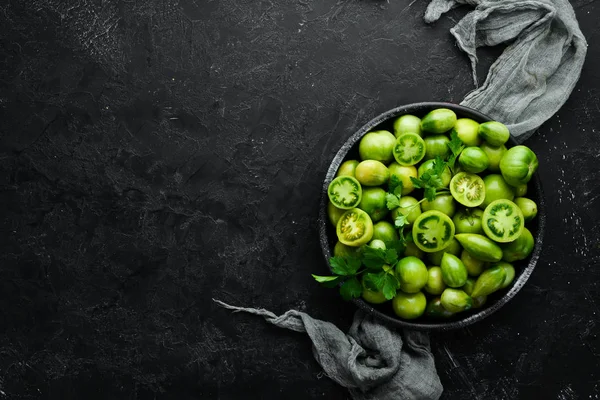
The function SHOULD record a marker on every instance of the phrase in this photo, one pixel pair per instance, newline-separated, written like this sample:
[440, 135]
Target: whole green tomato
[518, 165]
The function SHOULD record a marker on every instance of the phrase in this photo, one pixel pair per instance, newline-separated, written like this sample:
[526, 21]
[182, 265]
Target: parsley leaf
[327, 281]
[400, 221]
[372, 258]
[344, 266]
[351, 289]
[384, 281]
[398, 245]
[392, 201]
[395, 185]
[431, 180]
[456, 146]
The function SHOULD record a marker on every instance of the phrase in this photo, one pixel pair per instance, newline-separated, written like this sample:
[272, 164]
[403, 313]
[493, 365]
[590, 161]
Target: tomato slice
[433, 231]
[345, 192]
[355, 228]
[503, 221]
[409, 149]
[468, 189]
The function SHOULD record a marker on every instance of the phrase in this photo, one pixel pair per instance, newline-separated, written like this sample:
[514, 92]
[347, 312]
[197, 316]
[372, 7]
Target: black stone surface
[157, 154]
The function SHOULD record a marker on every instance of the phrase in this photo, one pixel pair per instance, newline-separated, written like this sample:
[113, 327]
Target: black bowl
[524, 268]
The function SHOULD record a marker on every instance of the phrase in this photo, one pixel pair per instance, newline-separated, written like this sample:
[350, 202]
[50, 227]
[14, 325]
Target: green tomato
[334, 213]
[489, 281]
[444, 203]
[385, 231]
[407, 124]
[370, 296]
[438, 121]
[454, 272]
[453, 248]
[372, 173]
[520, 190]
[494, 132]
[377, 145]
[474, 265]
[341, 250]
[412, 250]
[494, 155]
[455, 300]
[480, 246]
[409, 207]
[518, 165]
[435, 283]
[519, 249]
[377, 244]
[528, 207]
[496, 188]
[404, 173]
[347, 168]
[436, 145]
[468, 220]
[409, 305]
[435, 309]
[510, 273]
[412, 274]
[474, 160]
[466, 130]
[428, 165]
[373, 203]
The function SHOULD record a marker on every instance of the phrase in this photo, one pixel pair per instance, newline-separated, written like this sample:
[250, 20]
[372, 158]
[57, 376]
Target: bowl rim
[323, 219]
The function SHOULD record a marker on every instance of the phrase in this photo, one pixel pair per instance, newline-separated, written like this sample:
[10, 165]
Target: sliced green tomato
[344, 192]
[503, 221]
[355, 228]
[468, 189]
[409, 149]
[432, 231]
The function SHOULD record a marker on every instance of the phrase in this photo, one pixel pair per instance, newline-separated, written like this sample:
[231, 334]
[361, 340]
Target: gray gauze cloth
[537, 71]
[373, 361]
[525, 86]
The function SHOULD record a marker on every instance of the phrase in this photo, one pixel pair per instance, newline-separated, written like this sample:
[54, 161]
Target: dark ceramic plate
[496, 300]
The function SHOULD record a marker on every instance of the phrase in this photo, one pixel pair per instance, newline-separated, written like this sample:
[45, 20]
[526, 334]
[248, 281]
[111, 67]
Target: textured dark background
[156, 154]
